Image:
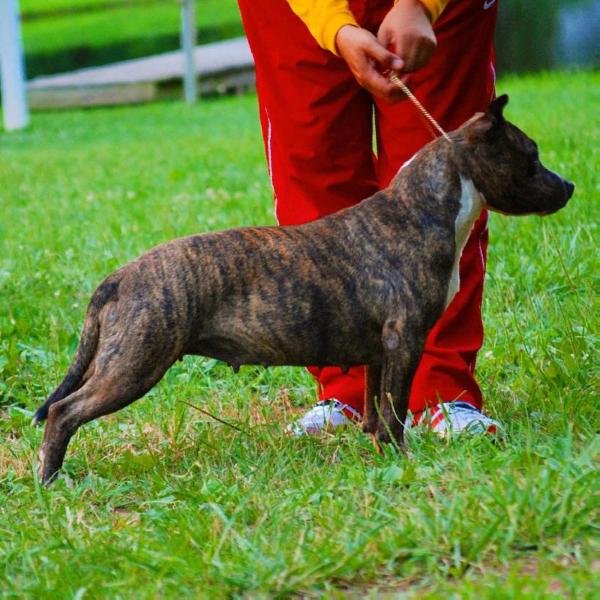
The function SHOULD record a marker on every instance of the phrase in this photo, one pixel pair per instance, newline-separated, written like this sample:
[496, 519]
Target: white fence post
[188, 43]
[14, 99]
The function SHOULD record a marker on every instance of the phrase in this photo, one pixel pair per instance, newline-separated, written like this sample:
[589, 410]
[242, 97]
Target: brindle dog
[362, 286]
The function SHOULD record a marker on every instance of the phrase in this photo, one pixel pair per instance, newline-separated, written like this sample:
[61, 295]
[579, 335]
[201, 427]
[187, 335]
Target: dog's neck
[434, 182]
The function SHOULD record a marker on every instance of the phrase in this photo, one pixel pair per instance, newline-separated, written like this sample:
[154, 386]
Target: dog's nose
[569, 188]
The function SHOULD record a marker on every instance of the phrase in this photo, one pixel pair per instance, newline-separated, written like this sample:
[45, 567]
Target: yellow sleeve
[325, 17]
[434, 7]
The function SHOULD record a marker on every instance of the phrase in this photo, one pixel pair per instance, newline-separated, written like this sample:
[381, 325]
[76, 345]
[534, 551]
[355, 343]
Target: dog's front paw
[391, 432]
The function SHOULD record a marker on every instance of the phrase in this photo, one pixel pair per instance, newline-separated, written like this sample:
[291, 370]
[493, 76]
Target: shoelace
[345, 408]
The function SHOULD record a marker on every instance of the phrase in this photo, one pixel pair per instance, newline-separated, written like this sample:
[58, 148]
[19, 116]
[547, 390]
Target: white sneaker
[324, 416]
[445, 419]
[449, 418]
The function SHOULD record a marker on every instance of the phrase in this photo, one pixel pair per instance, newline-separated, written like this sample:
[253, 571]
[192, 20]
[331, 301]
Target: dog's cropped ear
[489, 124]
[481, 127]
[497, 106]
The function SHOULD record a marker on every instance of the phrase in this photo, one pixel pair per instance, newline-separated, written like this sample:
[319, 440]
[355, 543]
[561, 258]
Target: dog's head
[505, 167]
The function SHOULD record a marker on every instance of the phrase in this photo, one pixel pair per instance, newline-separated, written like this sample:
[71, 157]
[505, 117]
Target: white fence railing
[14, 100]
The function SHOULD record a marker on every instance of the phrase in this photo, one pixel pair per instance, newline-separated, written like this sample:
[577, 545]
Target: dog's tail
[86, 349]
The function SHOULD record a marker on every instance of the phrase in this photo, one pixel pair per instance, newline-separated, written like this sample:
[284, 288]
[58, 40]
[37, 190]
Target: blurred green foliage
[63, 35]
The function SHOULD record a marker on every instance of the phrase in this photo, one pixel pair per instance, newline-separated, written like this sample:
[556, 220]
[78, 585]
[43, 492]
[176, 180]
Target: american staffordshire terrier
[360, 287]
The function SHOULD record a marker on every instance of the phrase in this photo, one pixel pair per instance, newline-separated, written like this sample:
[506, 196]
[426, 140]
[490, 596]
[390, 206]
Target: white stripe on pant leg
[484, 268]
[270, 160]
[481, 254]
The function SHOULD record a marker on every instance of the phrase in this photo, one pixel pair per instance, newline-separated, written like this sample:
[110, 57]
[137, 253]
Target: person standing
[323, 98]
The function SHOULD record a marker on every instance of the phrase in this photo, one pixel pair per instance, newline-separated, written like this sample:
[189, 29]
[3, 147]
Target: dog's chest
[471, 204]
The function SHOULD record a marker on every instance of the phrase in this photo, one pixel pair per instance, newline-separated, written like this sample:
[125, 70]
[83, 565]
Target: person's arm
[434, 7]
[324, 18]
[407, 30]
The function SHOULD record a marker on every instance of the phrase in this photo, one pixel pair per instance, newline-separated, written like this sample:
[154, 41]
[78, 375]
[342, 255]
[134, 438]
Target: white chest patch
[471, 204]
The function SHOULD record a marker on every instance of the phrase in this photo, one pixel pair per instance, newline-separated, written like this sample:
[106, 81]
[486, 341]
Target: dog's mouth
[569, 189]
[567, 192]
[564, 195]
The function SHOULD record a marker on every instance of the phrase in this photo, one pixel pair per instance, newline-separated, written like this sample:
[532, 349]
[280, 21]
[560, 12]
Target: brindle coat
[362, 286]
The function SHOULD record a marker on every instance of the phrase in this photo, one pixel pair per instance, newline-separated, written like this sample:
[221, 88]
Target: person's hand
[368, 60]
[407, 31]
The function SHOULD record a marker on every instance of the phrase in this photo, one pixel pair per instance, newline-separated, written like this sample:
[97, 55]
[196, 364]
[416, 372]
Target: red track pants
[317, 125]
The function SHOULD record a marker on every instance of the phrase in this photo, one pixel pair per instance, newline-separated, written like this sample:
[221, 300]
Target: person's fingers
[370, 62]
[374, 76]
[379, 85]
[385, 58]
[422, 54]
[416, 53]
[412, 62]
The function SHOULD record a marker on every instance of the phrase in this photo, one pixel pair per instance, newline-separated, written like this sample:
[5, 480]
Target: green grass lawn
[162, 501]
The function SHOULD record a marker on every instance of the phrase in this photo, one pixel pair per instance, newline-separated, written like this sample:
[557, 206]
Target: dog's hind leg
[79, 369]
[123, 371]
[101, 395]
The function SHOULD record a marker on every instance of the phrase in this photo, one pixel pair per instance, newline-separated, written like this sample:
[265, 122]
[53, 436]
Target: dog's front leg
[394, 401]
[403, 347]
[372, 390]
